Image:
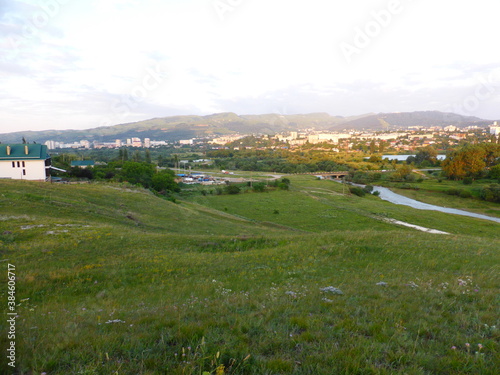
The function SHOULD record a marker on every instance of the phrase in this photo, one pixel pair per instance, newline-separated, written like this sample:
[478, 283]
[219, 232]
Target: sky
[69, 64]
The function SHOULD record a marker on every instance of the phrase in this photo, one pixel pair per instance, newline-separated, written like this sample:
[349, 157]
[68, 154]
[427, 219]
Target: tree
[138, 173]
[148, 157]
[403, 172]
[469, 161]
[426, 154]
[136, 156]
[164, 181]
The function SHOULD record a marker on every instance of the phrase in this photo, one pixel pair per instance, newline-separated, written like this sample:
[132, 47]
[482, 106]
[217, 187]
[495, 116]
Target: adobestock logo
[363, 36]
[39, 20]
[486, 89]
[125, 106]
[224, 6]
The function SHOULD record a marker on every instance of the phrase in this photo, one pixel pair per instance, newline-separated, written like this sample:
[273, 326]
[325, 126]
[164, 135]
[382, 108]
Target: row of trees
[138, 173]
[473, 161]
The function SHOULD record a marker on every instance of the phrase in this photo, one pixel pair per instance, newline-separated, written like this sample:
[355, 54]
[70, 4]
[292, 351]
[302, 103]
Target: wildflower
[467, 344]
[331, 289]
[454, 347]
[480, 346]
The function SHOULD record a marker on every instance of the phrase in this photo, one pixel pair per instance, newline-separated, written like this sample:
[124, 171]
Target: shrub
[465, 194]
[491, 193]
[467, 180]
[494, 172]
[368, 189]
[453, 191]
[259, 187]
[376, 193]
[283, 186]
[232, 189]
[356, 190]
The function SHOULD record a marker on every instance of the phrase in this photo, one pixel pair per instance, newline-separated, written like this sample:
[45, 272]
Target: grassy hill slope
[112, 279]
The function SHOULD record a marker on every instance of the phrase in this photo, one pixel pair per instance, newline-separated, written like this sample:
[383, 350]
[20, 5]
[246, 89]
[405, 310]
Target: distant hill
[389, 121]
[174, 128]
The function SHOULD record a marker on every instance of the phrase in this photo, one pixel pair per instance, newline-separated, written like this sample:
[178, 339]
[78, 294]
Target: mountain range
[174, 128]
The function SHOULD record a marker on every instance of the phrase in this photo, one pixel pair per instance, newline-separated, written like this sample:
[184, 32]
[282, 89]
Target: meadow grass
[115, 280]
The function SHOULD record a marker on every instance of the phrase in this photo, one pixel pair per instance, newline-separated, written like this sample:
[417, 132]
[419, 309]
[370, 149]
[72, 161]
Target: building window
[18, 165]
[13, 164]
[24, 172]
[24, 165]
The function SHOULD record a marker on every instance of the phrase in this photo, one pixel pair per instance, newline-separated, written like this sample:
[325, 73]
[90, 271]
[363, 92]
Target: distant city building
[495, 129]
[85, 144]
[226, 139]
[136, 142]
[118, 143]
[147, 142]
[159, 143]
[51, 145]
[186, 141]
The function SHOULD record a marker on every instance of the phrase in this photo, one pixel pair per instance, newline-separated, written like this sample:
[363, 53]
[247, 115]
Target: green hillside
[111, 279]
[391, 121]
[175, 128]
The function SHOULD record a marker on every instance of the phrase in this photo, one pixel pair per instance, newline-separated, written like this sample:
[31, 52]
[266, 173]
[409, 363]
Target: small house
[24, 162]
[83, 163]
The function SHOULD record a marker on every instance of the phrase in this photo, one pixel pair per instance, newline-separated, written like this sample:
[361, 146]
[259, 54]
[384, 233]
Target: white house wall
[33, 170]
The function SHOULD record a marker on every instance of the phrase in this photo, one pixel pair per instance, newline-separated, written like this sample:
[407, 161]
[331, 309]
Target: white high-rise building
[495, 129]
[51, 145]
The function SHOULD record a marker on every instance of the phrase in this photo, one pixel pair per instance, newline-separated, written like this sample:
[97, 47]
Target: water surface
[392, 197]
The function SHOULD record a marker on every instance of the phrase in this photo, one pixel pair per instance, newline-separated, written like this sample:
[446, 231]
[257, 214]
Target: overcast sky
[82, 64]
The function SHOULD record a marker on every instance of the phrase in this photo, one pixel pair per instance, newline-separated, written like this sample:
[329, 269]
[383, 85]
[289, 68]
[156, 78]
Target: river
[392, 197]
[404, 157]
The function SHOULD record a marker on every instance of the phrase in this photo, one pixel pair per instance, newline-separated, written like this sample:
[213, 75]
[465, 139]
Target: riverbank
[390, 196]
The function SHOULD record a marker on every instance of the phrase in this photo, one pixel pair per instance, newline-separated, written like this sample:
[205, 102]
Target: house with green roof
[24, 162]
[83, 163]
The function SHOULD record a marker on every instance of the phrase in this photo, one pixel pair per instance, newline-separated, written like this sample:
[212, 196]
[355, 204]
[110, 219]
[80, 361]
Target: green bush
[232, 189]
[259, 187]
[491, 193]
[465, 194]
[467, 181]
[453, 191]
[368, 189]
[356, 190]
[283, 186]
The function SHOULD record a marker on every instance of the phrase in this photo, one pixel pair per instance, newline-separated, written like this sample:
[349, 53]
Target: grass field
[111, 279]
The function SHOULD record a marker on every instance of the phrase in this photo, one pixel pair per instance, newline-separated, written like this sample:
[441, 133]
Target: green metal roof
[82, 163]
[18, 152]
